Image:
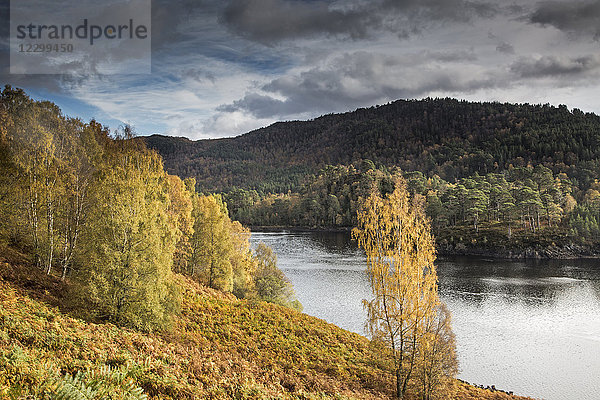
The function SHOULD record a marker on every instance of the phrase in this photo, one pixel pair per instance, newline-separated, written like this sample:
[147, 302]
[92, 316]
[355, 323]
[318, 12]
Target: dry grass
[220, 348]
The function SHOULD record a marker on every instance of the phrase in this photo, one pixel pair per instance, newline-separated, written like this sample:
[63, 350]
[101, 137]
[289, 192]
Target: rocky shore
[569, 251]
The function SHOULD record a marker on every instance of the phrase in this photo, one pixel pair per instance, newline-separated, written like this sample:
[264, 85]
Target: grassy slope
[221, 347]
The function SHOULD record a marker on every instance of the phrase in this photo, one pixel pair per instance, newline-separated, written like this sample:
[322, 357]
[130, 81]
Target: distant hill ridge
[447, 137]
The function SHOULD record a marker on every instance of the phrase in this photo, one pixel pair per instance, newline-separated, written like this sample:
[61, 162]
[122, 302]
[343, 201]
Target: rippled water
[530, 327]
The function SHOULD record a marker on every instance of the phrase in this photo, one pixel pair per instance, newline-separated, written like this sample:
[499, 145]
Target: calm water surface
[530, 327]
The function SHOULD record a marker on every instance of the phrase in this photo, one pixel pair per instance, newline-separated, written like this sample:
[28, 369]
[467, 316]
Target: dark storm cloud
[270, 21]
[574, 17]
[273, 20]
[505, 48]
[443, 10]
[199, 75]
[4, 38]
[260, 106]
[449, 56]
[552, 66]
[169, 16]
[76, 72]
[4, 18]
[359, 79]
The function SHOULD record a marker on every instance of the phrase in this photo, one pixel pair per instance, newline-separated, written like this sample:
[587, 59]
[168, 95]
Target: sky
[223, 68]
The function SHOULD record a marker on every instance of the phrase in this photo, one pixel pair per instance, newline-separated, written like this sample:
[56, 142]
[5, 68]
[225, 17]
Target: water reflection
[532, 327]
[535, 279]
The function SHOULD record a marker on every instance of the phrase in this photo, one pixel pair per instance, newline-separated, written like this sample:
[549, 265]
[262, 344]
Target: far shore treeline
[517, 208]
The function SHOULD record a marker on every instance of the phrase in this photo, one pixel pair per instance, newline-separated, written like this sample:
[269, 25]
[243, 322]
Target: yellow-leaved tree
[271, 283]
[180, 207]
[400, 252]
[242, 263]
[211, 244]
[123, 271]
[437, 355]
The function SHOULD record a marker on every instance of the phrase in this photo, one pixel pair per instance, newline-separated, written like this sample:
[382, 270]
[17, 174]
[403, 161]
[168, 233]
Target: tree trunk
[50, 216]
[399, 393]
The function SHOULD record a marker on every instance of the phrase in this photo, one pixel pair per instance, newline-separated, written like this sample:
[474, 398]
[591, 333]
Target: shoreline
[567, 252]
[282, 228]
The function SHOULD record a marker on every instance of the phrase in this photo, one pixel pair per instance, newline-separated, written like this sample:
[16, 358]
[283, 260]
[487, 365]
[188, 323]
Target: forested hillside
[445, 137]
[99, 210]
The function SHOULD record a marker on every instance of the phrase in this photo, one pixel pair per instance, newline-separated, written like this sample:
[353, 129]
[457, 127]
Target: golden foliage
[400, 252]
[124, 272]
[211, 244]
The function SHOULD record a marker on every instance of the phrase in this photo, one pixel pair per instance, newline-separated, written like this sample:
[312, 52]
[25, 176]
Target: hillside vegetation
[445, 137]
[220, 348]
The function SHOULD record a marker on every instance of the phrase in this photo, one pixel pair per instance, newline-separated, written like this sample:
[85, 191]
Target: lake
[532, 327]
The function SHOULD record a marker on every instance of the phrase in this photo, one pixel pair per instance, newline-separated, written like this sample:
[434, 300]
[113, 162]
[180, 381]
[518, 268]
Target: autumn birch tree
[400, 252]
[211, 244]
[437, 354]
[124, 273]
